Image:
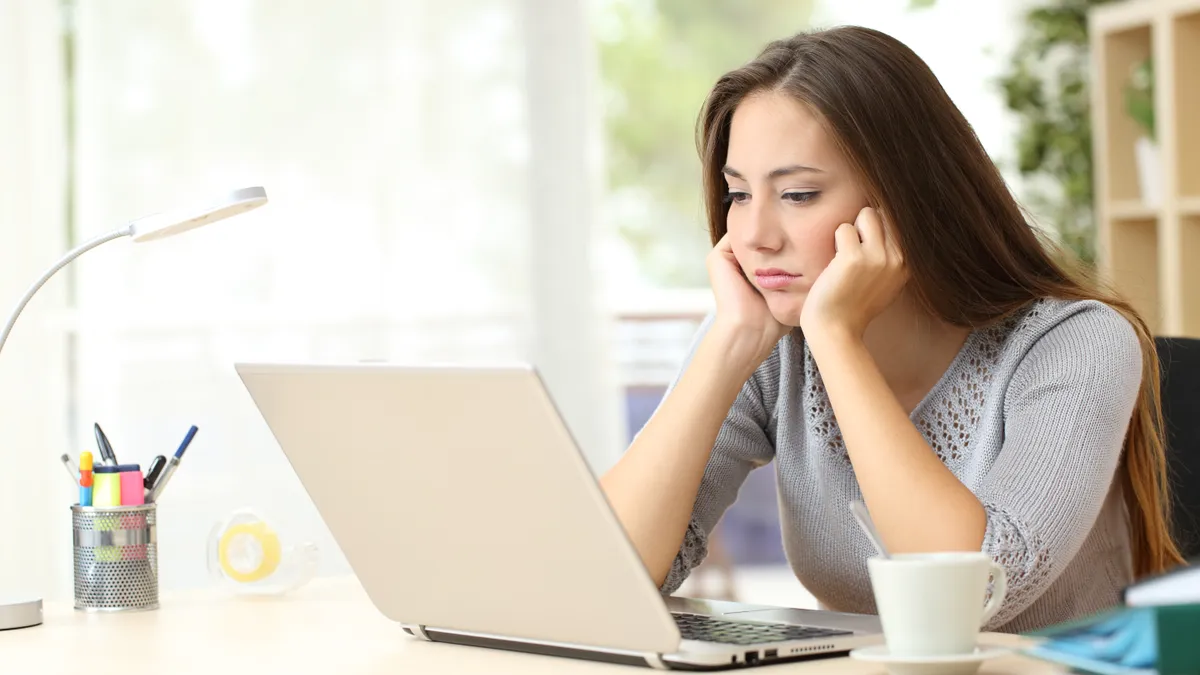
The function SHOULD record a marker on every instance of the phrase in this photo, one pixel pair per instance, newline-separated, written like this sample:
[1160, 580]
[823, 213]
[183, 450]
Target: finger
[723, 257]
[724, 245]
[891, 238]
[888, 235]
[870, 228]
[845, 239]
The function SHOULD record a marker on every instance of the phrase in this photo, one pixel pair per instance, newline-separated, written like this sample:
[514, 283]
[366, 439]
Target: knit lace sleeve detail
[693, 551]
[1022, 553]
[1067, 409]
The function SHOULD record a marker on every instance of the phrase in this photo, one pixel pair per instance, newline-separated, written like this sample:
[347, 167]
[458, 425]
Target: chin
[786, 308]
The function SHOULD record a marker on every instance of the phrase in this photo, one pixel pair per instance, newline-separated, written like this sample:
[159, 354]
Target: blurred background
[462, 180]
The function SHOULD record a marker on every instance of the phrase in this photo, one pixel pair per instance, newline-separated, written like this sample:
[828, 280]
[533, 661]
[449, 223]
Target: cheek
[812, 229]
[814, 245]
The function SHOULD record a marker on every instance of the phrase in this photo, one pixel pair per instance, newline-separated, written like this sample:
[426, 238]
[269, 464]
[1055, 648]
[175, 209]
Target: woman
[889, 328]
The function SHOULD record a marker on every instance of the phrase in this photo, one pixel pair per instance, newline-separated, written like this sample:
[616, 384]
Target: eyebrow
[775, 173]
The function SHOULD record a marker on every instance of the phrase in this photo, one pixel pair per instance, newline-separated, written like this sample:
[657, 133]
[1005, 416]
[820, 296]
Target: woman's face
[789, 189]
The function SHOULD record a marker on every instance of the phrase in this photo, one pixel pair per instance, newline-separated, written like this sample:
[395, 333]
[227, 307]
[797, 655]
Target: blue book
[1156, 640]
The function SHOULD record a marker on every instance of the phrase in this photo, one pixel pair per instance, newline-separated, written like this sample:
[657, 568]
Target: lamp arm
[63, 262]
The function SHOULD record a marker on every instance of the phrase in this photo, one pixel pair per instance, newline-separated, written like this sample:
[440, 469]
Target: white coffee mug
[932, 604]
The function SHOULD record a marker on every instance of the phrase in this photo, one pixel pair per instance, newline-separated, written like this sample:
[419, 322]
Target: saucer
[949, 664]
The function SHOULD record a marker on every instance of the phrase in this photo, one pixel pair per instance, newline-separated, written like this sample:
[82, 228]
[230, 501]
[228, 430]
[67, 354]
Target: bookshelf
[1149, 250]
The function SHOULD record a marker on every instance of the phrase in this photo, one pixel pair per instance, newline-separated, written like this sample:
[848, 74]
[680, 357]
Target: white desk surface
[326, 627]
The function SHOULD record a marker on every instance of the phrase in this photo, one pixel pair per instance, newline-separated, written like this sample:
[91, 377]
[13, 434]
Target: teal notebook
[1162, 640]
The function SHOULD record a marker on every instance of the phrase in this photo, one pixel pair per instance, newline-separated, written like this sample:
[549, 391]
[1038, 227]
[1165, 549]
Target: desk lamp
[22, 613]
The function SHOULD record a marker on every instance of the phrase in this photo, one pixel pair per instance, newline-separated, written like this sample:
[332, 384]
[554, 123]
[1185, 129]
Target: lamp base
[21, 613]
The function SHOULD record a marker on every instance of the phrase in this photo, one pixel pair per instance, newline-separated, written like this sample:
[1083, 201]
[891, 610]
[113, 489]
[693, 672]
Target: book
[1174, 587]
[1152, 640]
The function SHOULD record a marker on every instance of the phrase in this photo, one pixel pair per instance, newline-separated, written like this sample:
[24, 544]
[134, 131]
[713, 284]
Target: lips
[774, 278]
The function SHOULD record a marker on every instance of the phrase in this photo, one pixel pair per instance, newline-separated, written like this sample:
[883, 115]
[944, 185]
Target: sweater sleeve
[742, 444]
[1067, 410]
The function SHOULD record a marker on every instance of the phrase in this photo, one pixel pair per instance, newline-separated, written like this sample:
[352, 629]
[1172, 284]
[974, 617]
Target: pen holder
[116, 557]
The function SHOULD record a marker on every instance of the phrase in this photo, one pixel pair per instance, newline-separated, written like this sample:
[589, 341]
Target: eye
[800, 197]
[736, 197]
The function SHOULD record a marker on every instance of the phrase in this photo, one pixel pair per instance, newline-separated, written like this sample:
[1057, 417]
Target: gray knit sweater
[1030, 416]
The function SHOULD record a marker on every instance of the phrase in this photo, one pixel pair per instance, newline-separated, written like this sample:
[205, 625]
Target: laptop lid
[461, 501]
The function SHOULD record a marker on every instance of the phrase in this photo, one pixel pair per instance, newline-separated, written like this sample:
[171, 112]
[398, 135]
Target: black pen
[106, 452]
[156, 465]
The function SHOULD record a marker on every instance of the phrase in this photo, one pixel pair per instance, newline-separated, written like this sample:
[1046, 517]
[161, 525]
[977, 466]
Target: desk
[328, 627]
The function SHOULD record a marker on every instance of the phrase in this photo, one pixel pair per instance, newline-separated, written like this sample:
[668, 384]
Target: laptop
[470, 516]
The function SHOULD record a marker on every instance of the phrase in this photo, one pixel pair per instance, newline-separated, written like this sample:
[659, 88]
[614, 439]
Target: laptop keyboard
[723, 631]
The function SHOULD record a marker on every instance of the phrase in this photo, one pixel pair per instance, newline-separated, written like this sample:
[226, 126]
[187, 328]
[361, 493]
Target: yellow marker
[107, 489]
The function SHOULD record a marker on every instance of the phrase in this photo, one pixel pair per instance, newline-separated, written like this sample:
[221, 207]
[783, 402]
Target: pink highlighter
[131, 485]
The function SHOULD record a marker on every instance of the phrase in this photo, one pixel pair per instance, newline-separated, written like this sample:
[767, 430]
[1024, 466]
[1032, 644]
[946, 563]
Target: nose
[762, 230]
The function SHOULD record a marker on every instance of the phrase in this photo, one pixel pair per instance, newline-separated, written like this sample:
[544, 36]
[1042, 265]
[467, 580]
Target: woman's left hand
[865, 276]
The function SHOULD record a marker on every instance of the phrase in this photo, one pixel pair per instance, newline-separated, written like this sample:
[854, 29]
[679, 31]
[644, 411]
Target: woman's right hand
[742, 312]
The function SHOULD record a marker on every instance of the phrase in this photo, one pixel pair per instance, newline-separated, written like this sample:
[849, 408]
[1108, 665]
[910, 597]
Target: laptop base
[750, 657]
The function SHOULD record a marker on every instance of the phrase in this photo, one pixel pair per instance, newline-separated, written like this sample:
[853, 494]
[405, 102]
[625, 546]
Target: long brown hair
[973, 258]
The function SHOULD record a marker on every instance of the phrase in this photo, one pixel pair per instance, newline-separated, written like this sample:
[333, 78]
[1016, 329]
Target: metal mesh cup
[116, 557]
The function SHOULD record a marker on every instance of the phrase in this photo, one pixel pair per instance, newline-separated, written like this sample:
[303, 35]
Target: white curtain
[34, 488]
[431, 169]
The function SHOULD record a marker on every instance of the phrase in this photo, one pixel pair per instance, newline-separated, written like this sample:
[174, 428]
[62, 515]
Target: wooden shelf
[1189, 276]
[1134, 263]
[1131, 209]
[1120, 17]
[1146, 251]
[1119, 52]
[1186, 39]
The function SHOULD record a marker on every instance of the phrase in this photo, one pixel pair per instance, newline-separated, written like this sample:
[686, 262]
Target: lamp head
[160, 225]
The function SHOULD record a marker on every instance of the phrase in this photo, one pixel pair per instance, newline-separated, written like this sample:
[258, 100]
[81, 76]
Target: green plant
[658, 60]
[1045, 85]
[1139, 95]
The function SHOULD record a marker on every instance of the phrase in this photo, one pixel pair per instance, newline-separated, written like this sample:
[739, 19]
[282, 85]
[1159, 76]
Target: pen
[156, 465]
[66, 460]
[172, 464]
[106, 452]
[152, 474]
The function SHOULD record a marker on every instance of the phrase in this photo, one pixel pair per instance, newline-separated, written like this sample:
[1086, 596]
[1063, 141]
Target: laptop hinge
[416, 630]
[655, 661]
